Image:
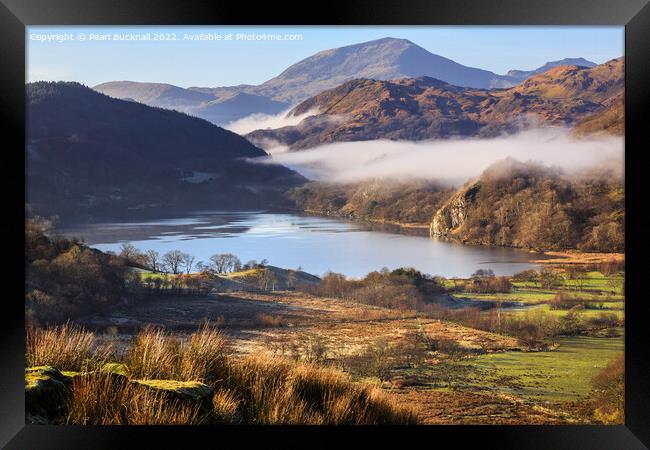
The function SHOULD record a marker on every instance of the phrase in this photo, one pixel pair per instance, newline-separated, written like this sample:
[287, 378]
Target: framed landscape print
[392, 216]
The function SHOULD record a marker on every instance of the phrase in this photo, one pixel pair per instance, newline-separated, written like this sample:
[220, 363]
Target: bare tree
[188, 262]
[202, 266]
[129, 251]
[291, 279]
[267, 280]
[153, 260]
[172, 261]
[225, 262]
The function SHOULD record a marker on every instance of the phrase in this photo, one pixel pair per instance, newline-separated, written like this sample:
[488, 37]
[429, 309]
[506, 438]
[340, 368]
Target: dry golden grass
[106, 399]
[259, 389]
[204, 359]
[66, 347]
[276, 391]
[577, 257]
[156, 354]
[225, 407]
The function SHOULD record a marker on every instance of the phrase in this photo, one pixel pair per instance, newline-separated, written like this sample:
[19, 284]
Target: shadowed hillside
[89, 153]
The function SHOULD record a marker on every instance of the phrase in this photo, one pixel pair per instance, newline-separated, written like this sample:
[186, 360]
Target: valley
[422, 362]
[346, 229]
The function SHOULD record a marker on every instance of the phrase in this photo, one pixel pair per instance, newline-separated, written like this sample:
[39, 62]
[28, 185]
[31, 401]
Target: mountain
[426, 108]
[92, 154]
[154, 94]
[382, 59]
[219, 107]
[228, 108]
[521, 75]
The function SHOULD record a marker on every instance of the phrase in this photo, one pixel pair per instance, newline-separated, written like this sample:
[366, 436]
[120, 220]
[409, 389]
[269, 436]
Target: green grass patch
[593, 287]
[561, 375]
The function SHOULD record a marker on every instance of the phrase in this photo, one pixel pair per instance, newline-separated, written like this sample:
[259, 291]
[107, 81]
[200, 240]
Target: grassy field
[447, 370]
[561, 375]
[594, 286]
[426, 363]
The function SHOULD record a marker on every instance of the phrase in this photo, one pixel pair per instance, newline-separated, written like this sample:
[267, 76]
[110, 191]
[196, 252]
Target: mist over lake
[315, 244]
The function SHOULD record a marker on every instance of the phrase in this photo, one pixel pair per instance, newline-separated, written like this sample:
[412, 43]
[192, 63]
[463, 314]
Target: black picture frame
[633, 14]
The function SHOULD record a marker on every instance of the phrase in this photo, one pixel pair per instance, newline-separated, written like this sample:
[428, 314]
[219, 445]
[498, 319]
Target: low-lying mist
[452, 161]
[261, 121]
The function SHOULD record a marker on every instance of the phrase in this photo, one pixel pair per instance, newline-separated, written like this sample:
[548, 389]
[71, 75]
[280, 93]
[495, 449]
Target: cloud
[451, 161]
[271, 146]
[260, 121]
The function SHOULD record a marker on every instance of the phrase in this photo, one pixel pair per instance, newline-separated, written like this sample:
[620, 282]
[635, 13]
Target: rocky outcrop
[46, 391]
[452, 215]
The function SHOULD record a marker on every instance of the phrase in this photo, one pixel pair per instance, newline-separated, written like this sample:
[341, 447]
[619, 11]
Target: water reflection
[316, 244]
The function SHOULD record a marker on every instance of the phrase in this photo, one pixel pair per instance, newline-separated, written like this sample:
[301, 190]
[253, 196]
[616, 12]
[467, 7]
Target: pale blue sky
[210, 63]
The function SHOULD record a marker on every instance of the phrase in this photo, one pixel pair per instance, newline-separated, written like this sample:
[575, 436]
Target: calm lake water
[315, 244]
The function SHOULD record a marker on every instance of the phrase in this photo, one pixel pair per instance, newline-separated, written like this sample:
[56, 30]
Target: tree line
[176, 262]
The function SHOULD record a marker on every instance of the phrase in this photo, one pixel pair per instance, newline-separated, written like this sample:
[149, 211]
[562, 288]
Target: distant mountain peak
[387, 58]
[523, 74]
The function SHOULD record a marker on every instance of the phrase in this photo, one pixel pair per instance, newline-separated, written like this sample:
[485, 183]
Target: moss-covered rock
[187, 391]
[46, 391]
[117, 368]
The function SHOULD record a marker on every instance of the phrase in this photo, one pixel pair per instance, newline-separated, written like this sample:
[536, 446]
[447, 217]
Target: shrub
[375, 361]
[530, 275]
[268, 320]
[310, 349]
[605, 320]
[609, 396]
[65, 279]
[564, 301]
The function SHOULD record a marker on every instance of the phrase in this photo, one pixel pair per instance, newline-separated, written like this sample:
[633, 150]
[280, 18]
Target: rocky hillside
[426, 108]
[386, 201]
[527, 205]
[512, 204]
[90, 154]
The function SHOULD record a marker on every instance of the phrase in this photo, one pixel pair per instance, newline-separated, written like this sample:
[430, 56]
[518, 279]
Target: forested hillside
[89, 154]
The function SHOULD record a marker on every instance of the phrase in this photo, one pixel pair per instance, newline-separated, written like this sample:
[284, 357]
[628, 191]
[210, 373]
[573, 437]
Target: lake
[316, 244]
